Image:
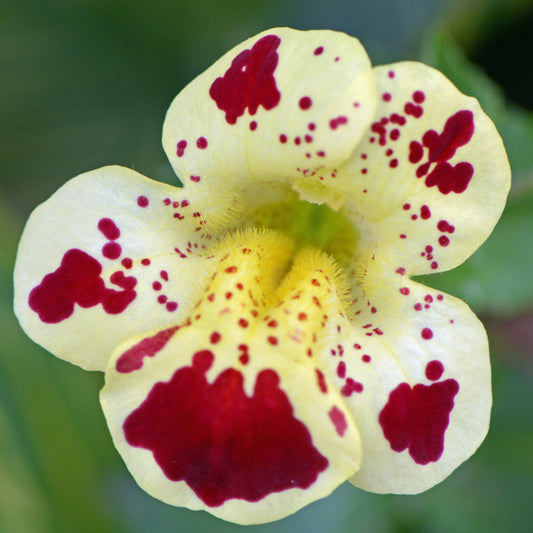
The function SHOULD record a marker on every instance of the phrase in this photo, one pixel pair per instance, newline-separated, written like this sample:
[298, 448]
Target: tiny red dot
[427, 334]
[305, 103]
[215, 337]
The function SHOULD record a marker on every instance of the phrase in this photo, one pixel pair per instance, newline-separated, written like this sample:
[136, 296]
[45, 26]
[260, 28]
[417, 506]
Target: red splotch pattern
[78, 281]
[249, 82]
[132, 359]
[416, 418]
[221, 442]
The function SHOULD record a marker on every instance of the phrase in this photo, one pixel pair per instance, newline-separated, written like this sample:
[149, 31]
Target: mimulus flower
[260, 333]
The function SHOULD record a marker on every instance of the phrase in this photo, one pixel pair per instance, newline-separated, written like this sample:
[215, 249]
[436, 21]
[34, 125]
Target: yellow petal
[276, 108]
[109, 255]
[413, 366]
[228, 412]
[431, 176]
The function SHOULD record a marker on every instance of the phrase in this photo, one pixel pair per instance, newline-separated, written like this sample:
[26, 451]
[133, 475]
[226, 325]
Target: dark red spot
[132, 359]
[401, 271]
[109, 229]
[122, 281]
[341, 369]
[249, 82]
[434, 370]
[393, 163]
[418, 97]
[457, 132]
[180, 148]
[339, 420]
[171, 306]
[145, 262]
[413, 110]
[308, 138]
[391, 74]
[111, 250]
[162, 299]
[386, 97]
[334, 123]
[405, 291]
[77, 281]
[283, 138]
[351, 386]
[366, 358]
[231, 269]
[427, 334]
[305, 103]
[445, 227]
[142, 201]
[297, 140]
[127, 263]
[425, 212]
[416, 152]
[196, 179]
[443, 240]
[395, 134]
[434, 265]
[215, 337]
[418, 307]
[164, 275]
[214, 436]
[403, 236]
[311, 126]
[201, 143]
[244, 356]
[406, 207]
[318, 50]
[243, 322]
[416, 418]
[156, 286]
[253, 125]
[272, 340]
[321, 380]
[321, 153]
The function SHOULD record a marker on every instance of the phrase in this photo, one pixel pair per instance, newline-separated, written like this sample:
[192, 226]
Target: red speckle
[156, 286]
[321, 153]
[405, 291]
[445, 227]
[171, 306]
[142, 201]
[253, 125]
[386, 97]
[305, 103]
[244, 356]
[395, 134]
[414, 217]
[406, 207]
[418, 97]
[334, 123]
[413, 110]
[127, 263]
[195, 179]
[457, 132]
[201, 143]
[215, 337]
[308, 138]
[111, 250]
[302, 316]
[391, 74]
[231, 269]
[272, 340]
[393, 163]
[109, 229]
[78, 281]
[167, 201]
[282, 138]
[434, 265]
[440, 297]
[339, 420]
[297, 140]
[321, 380]
[243, 322]
[146, 262]
[212, 436]
[162, 299]
[428, 298]
[132, 359]
[416, 152]
[366, 358]
[434, 370]
[403, 236]
[180, 148]
[364, 171]
[272, 324]
[444, 241]
[311, 126]
[318, 50]
[425, 212]
[427, 334]
[351, 386]
[341, 369]
[416, 418]
[418, 307]
[249, 82]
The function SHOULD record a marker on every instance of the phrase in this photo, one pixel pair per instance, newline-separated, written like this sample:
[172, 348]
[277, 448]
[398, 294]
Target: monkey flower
[260, 333]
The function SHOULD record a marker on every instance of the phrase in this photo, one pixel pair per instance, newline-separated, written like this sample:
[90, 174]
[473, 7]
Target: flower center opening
[308, 224]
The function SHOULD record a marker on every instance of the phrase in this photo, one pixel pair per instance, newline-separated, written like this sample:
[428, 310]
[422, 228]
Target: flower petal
[227, 413]
[431, 175]
[109, 255]
[415, 375]
[301, 99]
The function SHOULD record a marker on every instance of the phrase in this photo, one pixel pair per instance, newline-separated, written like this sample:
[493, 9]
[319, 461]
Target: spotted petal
[414, 370]
[431, 176]
[275, 108]
[227, 412]
[109, 255]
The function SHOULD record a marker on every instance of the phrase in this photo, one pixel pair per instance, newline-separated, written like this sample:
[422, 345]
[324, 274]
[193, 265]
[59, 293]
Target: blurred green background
[85, 83]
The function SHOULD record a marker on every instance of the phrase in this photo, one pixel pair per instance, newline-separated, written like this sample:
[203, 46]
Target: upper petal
[431, 176]
[109, 255]
[279, 105]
